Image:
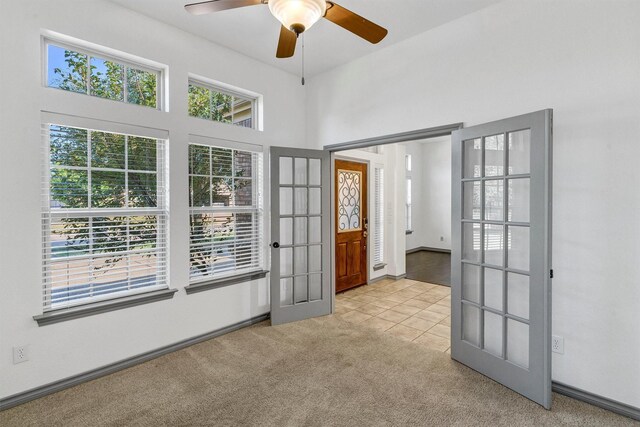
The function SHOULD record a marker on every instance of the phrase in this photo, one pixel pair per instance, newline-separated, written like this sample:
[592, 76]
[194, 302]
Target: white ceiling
[253, 31]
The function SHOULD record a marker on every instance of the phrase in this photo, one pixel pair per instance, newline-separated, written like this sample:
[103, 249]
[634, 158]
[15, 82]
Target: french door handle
[275, 245]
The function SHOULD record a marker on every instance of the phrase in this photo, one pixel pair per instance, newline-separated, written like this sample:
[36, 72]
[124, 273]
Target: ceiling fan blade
[286, 43]
[210, 6]
[355, 23]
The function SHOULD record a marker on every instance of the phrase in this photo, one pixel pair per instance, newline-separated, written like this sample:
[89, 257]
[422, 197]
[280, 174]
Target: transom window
[226, 211]
[77, 70]
[105, 216]
[219, 105]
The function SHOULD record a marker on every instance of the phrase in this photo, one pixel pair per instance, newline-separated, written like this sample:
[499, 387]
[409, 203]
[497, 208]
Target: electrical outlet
[20, 354]
[557, 344]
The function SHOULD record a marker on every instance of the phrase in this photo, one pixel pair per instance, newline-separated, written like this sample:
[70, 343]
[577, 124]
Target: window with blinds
[226, 212]
[104, 216]
[378, 220]
[408, 204]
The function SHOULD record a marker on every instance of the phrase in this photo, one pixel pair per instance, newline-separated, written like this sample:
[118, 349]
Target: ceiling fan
[297, 16]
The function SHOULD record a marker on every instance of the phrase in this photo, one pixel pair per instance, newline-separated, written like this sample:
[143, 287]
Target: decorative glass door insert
[349, 200]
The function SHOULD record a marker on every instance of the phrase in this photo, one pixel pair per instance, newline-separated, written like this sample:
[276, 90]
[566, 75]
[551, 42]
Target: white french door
[301, 234]
[501, 252]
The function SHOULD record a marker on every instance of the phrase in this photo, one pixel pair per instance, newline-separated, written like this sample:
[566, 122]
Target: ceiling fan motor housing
[298, 15]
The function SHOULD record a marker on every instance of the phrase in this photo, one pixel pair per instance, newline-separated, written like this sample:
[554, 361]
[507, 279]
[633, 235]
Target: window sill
[379, 266]
[225, 281]
[407, 232]
[64, 314]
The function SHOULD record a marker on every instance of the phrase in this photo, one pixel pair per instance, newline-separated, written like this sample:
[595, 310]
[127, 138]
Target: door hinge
[551, 274]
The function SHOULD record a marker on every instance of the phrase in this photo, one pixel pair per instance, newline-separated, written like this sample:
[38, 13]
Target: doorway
[501, 246]
[404, 202]
[427, 178]
[401, 220]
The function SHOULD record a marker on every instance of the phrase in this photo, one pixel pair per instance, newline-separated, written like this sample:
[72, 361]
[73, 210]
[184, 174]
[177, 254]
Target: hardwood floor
[430, 267]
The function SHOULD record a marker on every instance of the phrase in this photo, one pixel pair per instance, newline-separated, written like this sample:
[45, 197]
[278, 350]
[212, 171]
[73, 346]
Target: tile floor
[414, 311]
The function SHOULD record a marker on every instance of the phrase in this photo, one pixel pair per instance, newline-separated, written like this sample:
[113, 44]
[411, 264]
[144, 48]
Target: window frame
[137, 63]
[229, 277]
[224, 89]
[122, 298]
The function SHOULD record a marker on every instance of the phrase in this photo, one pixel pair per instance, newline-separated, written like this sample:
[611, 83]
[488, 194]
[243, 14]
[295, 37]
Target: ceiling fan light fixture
[298, 15]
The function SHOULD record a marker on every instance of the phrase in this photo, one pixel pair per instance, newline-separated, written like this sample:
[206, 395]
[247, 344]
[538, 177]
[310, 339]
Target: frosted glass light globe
[296, 13]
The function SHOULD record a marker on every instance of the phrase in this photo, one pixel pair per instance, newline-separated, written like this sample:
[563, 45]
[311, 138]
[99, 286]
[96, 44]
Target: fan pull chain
[303, 59]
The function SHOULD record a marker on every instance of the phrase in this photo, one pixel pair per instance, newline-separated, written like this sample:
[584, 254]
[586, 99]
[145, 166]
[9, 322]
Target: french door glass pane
[314, 171]
[300, 201]
[471, 324]
[518, 252]
[472, 200]
[493, 288]
[518, 295]
[493, 244]
[519, 152]
[518, 343]
[493, 333]
[315, 229]
[315, 287]
[315, 258]
[519, 195]
[471, 241]
[494, 155]
[286, 261]
[286, 171]
[300, 231]
[472, 158]
[314, 201]
[494, 200]
[300, 260]
[286, 201]
[300, 291]
[471, 282]
[300, 171]
[286, 291]
[286, 231]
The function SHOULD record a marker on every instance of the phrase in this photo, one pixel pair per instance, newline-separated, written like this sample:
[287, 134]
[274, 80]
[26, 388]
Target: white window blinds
[226, 211]
[104, 216]
[378, 224]
[408, 219]
[408, 204]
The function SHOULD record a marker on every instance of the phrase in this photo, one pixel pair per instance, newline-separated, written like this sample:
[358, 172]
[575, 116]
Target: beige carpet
[316, 372]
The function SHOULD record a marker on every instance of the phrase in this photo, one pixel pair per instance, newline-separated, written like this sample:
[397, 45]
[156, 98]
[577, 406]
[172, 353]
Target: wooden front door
[351, 224]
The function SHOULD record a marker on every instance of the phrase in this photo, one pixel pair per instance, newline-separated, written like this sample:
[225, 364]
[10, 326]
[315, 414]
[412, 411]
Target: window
[378, 207]
[226, 211]
[408, 206]
[76, 70]
[211, 103]
[105, 216]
